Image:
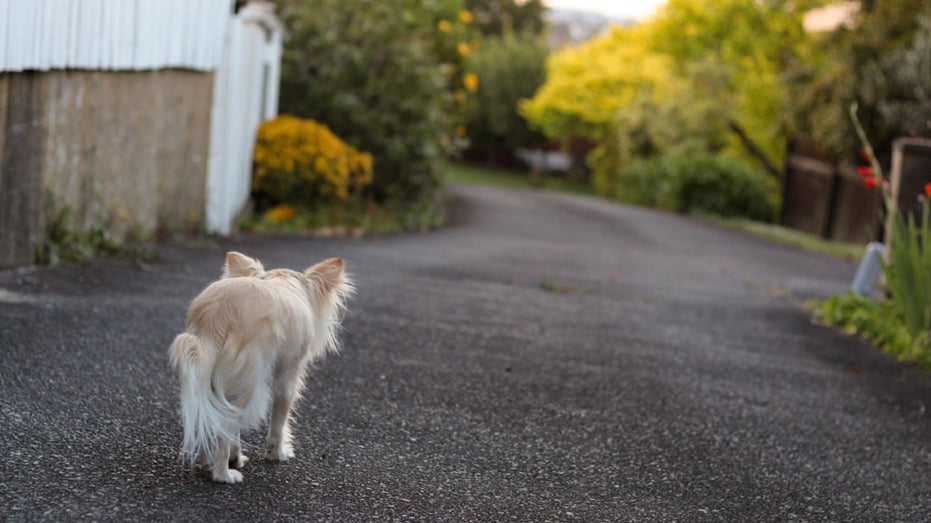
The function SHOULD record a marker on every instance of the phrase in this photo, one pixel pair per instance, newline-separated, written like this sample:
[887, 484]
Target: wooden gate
[245, 94]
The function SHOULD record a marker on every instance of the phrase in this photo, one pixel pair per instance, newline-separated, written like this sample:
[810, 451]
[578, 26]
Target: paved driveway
[545, 357]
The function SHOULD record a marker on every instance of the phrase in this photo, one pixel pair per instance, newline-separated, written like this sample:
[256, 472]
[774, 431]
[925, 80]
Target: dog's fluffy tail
[206, 415]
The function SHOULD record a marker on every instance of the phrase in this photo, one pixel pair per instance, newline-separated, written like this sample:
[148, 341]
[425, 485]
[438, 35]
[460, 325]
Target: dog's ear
[328, 274]
[238, 264]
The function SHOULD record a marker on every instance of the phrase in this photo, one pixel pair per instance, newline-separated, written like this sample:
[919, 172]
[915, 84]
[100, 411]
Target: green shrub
[510, 68]
[368, 70]
[301, 162]
[717, 185]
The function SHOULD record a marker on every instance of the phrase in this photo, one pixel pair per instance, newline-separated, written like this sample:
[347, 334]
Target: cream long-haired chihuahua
[249, 339]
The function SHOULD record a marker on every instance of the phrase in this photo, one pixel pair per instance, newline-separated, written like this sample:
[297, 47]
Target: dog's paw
[281, 453]
[231, 476]
[239, 461]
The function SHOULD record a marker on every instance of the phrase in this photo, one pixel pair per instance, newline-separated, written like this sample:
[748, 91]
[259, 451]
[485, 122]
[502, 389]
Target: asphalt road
[544, 358]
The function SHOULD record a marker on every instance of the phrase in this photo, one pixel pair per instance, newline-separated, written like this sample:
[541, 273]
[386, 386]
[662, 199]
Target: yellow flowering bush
[302, 162]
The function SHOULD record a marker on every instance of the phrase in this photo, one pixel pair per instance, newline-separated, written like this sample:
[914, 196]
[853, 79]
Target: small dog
[249, 339]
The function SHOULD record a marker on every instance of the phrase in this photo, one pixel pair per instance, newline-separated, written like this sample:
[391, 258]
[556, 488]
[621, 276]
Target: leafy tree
[882, 63]
[498, 17]
[586, 86]
[897, 88]
[370, 71]
[701, 76]
[751, 45]
[627, 99]
[509, 68]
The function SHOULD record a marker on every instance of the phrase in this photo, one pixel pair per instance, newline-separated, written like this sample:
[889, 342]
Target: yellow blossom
[280, 213]
[460, 130]
[465, 17]
[444, 26]
[470, 81]
[463, 49]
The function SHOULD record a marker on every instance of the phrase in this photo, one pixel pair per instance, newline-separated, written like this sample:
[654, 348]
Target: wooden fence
[828, 198]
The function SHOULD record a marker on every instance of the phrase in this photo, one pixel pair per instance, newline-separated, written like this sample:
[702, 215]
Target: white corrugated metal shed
[112, 34]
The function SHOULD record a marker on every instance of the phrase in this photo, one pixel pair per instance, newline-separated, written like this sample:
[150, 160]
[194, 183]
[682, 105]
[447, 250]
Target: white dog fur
[249, 339]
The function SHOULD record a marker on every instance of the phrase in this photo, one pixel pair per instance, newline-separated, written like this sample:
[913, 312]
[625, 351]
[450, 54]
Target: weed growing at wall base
[66, 243]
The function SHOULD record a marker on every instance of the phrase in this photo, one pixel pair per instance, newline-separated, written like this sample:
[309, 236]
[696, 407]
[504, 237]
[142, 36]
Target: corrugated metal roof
[112, 34]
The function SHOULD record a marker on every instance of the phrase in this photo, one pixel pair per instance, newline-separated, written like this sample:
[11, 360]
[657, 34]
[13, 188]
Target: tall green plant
[908, 271]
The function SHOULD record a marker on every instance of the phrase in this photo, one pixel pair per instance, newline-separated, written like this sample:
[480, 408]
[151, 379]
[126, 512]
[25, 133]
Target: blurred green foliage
[371, 71]
[882, 62]
[702, 75]
[500, 17]
[738, 79]
[509, 67]
[705, 184]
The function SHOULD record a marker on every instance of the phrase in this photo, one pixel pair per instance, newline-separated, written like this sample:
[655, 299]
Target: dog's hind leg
[287, 385]
[237, 458]
[278, 443]
[221, 471]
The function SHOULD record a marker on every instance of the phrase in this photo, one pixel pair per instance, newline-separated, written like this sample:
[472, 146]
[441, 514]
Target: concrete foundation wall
[127, 151]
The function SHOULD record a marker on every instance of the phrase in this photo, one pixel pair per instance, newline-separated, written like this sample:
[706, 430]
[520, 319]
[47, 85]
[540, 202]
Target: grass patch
[799, 239]
[878, 322]
[470, 174]
[345, 220]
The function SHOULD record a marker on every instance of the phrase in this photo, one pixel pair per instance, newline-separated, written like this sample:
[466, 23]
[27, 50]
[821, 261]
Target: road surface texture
[543, 358]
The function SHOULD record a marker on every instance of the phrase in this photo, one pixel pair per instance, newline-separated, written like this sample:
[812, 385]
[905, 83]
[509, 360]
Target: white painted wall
[245, 94]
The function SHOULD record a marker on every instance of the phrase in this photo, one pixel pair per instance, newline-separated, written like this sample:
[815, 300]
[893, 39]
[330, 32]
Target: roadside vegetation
[794, 238]
[65, 241]
[691, 111]
[900, 323]
[880, 322]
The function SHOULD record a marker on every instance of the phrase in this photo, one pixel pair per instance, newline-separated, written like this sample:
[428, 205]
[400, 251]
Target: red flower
[865, 171]
[869, 182]
[928, 189]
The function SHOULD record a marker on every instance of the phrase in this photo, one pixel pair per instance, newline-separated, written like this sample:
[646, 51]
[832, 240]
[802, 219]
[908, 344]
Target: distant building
[830, 17]
[570, 27]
